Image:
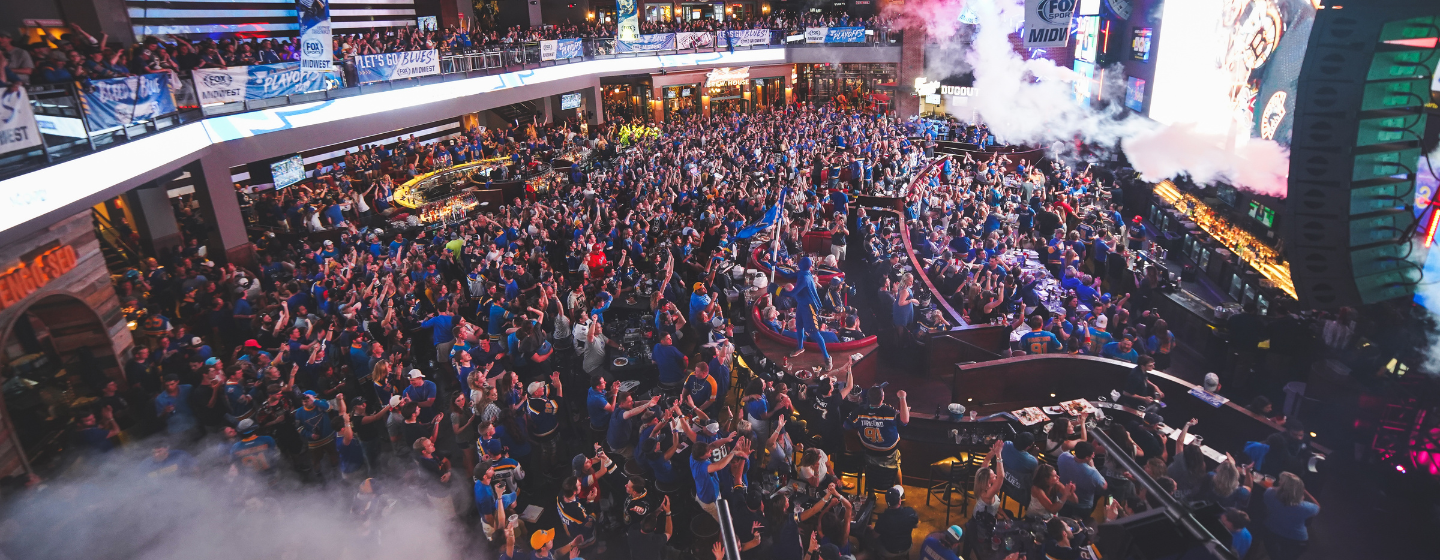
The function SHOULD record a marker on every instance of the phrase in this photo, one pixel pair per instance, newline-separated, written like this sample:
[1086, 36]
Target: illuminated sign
[1273, 114]
[1135, 93]
[926, 86]
[1087, 37]
[727, 77]
[1140, 43]
[27, 277]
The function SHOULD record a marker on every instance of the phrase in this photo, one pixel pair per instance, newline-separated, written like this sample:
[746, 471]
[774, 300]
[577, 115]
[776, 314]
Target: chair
[957, 471]
[851, 464]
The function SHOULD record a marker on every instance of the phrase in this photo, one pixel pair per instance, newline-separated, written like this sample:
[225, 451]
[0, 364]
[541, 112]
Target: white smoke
[1032, 102]
[112, 510]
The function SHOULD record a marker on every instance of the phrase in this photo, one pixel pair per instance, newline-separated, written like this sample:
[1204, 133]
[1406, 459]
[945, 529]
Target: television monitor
[569, 101]
[288, 171]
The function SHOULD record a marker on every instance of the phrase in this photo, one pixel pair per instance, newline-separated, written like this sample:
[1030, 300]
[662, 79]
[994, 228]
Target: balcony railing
[67, 133]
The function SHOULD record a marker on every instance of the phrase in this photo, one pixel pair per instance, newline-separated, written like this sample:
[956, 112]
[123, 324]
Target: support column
[154, 218]
[221, 208]
[593, 97]
[550, 104]
[912, 65]
[98, 17]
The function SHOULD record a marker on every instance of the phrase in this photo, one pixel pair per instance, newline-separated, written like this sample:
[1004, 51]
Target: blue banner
[397, 65]
[845, 35]
[316, 49]
[261, 81]
[125, 101]
[646, 43]
[569, 48]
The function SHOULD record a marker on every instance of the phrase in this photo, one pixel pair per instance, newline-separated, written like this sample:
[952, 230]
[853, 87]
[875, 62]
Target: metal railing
[68, 134]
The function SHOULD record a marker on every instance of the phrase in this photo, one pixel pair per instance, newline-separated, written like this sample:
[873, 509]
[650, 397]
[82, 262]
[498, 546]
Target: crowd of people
[471, 362]
[79, 56]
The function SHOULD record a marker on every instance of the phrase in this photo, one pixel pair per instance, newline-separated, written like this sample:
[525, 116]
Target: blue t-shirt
[934, 549]
[701, 389]
[541, 415]
[879, 427]
[671, 363]
[595, 403]
[707, 484]
[1288, 521]
[1087, 480]
[1240, 542]
[442, 325]
[1018, 462]
[1040, 342]
[424, 392]
[1113, 352]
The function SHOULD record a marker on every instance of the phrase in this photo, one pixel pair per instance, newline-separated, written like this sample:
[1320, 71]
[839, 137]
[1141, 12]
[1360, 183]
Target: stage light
[1400, 468]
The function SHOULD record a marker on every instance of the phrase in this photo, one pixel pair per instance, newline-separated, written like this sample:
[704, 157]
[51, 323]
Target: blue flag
[770, 216]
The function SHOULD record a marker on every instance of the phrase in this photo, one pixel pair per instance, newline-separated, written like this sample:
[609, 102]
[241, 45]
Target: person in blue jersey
[165, 462]
[312, 421]
[1039, 340]
[1237, 522]
[257, 453]
[704, 389]
[705, 471]
[1123, 349]
[669, 360]
[878, 425]
[542, 417]
[807, 310]
[944, 545]
[598, 404]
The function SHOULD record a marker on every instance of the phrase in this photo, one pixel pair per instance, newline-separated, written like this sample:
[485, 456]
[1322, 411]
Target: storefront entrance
[52, 371]
[681, 101]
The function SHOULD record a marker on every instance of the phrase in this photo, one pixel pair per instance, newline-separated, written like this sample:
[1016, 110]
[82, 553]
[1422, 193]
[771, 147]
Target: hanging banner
[744, 37]
[261, 81]
[844, 34]
[646, 43]
[17, 121]
[561, 49]
[396, 66]
[316, 53]
[627, 14]
[727, 76]
[1047, 23]
[125, 101]
[815, 34]
[694, 40]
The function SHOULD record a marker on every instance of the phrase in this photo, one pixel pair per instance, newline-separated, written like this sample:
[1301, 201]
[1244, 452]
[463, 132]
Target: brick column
[912, 65]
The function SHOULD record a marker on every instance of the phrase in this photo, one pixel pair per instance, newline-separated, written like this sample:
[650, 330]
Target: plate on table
[621, 362]
[1054, 411]
[1030, 416]
[1077, 407]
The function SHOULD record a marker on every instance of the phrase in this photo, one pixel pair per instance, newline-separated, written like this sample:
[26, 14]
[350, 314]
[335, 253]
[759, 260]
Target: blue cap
[311, 394]
[956, 533]
[212, 361]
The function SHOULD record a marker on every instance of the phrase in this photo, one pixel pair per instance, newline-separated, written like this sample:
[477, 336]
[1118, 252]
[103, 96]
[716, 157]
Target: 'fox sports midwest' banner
[316, 54]
[628, 16]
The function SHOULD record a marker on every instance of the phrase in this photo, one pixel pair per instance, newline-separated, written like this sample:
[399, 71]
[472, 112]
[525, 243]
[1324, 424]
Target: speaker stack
[1359, 122]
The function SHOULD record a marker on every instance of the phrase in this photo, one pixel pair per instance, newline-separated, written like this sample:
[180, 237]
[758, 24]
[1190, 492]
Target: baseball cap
[1136, 219]
[894, 495]
[535, 387]
[829, 551]
[713, 427]
[698, 287]
[956, 533]
[245, 426]
[415, 374]
[196, 341]
[212, 361]
[1101, 321]
[1024, 440]
[1152, 418]
[252, 343]
[541, 537]
[1212, 382]
[311, 394]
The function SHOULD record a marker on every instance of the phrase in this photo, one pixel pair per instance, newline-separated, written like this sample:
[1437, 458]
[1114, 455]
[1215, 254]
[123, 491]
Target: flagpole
[775, 236]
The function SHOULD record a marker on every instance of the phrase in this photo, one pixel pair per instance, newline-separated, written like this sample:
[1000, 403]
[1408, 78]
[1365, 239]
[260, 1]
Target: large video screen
[1237, 58]
[288, 171]
[569, 101]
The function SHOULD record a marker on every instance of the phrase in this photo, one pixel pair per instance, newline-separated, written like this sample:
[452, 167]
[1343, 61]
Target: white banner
[547, 49]
[17, 121]
[1047, 23]
[815, 34]
[316, 47]
[694, 40]
[220, 85]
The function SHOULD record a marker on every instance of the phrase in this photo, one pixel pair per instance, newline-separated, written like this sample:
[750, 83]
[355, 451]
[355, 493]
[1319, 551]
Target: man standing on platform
[807, 310]
[879, 427]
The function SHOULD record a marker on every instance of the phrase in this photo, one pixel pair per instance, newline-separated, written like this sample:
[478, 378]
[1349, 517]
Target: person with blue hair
[807, 310]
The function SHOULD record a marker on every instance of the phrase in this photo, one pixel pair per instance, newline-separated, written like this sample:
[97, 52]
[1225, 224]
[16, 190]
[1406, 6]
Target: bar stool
[851, 464]
[954, 482]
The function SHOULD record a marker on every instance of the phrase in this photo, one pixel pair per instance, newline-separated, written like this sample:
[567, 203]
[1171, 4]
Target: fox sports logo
[1055, 11]
[313, 47]
[217, 80]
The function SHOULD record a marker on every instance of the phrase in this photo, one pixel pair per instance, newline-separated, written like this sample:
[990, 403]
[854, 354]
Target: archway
[55, 357]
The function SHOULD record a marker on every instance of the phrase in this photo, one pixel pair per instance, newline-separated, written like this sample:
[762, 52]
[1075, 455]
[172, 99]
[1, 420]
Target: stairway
[521, 112]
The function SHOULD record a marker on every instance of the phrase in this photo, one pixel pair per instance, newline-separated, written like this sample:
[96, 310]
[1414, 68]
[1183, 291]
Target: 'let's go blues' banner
[743, 37]
[260, 81]
[398, 65]
[125, 101]
[656, 42]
